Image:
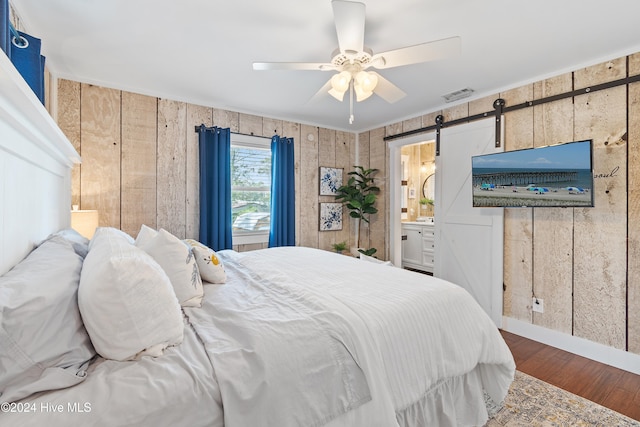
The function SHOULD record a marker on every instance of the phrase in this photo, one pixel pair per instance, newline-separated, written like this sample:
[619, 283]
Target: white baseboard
[576, 345]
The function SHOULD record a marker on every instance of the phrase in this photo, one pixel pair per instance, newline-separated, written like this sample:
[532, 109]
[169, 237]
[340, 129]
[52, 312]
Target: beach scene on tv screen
[558, 175]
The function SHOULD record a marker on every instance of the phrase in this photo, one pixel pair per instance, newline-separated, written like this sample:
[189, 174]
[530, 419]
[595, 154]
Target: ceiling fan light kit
[352, 58]
[339, 84]
[363, 82]
[361, 94]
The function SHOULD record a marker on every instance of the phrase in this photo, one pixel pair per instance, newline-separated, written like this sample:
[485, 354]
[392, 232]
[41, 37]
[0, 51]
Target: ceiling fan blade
[324, 90]
[349, 20]
[387, 90]
[430, 51]
[313, 66]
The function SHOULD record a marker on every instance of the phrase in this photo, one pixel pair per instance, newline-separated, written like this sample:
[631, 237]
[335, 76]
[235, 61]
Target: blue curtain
[215, 187]
[25, 55]
[23, 50]
[5, 31]
[283, 211]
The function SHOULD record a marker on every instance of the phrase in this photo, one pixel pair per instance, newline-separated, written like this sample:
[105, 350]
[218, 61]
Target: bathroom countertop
[428, 222]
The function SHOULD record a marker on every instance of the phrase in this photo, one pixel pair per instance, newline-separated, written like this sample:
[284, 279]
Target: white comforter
[408, 332]
[281, 356]
[177, 389]
[369, 345]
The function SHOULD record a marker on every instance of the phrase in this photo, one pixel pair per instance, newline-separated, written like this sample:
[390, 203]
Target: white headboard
[35, 169]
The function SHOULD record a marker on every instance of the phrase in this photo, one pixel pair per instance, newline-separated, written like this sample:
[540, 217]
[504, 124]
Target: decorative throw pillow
[210, 266]
[177, 260]
[126, 300]
[43, 342]
[145, 234]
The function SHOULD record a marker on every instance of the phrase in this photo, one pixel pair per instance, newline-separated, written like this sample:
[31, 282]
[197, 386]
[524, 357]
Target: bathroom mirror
[428, 186]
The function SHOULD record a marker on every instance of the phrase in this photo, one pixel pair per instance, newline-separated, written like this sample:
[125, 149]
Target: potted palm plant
[359, 194]
[339, 247]
[424, 202]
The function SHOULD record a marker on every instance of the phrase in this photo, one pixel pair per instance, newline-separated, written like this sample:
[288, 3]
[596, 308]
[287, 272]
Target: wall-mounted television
[553, 176]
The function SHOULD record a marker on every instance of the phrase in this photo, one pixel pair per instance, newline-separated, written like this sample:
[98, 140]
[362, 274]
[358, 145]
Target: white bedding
[411, 350]
[281, 359]
[412, 334]
[176, 389]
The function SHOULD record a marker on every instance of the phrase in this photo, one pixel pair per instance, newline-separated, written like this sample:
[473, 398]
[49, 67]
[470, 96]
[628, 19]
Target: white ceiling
[202, 51]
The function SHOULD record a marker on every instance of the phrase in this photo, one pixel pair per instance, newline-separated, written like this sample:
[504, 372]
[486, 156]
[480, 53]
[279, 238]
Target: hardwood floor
[608, 386]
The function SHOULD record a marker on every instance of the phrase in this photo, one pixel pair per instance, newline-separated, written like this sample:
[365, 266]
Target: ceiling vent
[458, 94]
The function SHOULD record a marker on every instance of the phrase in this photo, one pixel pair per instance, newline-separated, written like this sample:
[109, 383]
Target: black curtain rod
[527, 104]
[197, 128]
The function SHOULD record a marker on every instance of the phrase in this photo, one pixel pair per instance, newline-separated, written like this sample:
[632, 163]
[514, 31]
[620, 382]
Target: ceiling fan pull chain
[351, 102]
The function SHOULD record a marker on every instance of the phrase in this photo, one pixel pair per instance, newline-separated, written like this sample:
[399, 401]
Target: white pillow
[78, 241]
[176, 259]
[112, 231]
[368, 258]
[144, 235]
[43, 343]
[210, 266]
[126, 300]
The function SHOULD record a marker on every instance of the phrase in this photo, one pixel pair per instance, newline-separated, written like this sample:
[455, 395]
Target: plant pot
[355, 251]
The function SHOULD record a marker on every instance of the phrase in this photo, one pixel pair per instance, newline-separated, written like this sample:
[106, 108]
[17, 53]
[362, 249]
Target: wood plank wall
[100, 147]
[582, 261]
[553, 233]
[600, 246]
[140, 160]
[633, 209]
[138, 168]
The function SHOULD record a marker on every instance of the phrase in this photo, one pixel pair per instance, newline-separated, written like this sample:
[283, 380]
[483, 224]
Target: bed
[293, 337]
[286, 337]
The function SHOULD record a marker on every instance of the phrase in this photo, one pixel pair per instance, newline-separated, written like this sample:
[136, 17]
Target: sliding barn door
[468, 240]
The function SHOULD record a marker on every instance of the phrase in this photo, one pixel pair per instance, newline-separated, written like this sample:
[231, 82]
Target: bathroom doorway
[412, 183]
[418, 181]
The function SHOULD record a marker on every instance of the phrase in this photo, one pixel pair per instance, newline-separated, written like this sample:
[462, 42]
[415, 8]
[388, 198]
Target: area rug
[532, 402]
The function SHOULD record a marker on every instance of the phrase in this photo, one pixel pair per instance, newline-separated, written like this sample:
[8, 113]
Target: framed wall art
[330, 180]
[330, 216]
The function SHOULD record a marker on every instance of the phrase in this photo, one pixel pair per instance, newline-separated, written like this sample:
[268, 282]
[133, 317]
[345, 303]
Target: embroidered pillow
[177, 260]
[210, 265]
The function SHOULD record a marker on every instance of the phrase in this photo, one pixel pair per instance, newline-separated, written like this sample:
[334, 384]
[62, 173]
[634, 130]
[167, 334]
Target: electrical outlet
[538, 305]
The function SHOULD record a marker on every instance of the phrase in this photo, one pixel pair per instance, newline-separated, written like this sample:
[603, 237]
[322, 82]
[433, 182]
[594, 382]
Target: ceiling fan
[353, 58]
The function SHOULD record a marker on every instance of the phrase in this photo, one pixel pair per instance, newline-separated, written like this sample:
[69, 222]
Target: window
[250, 189]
